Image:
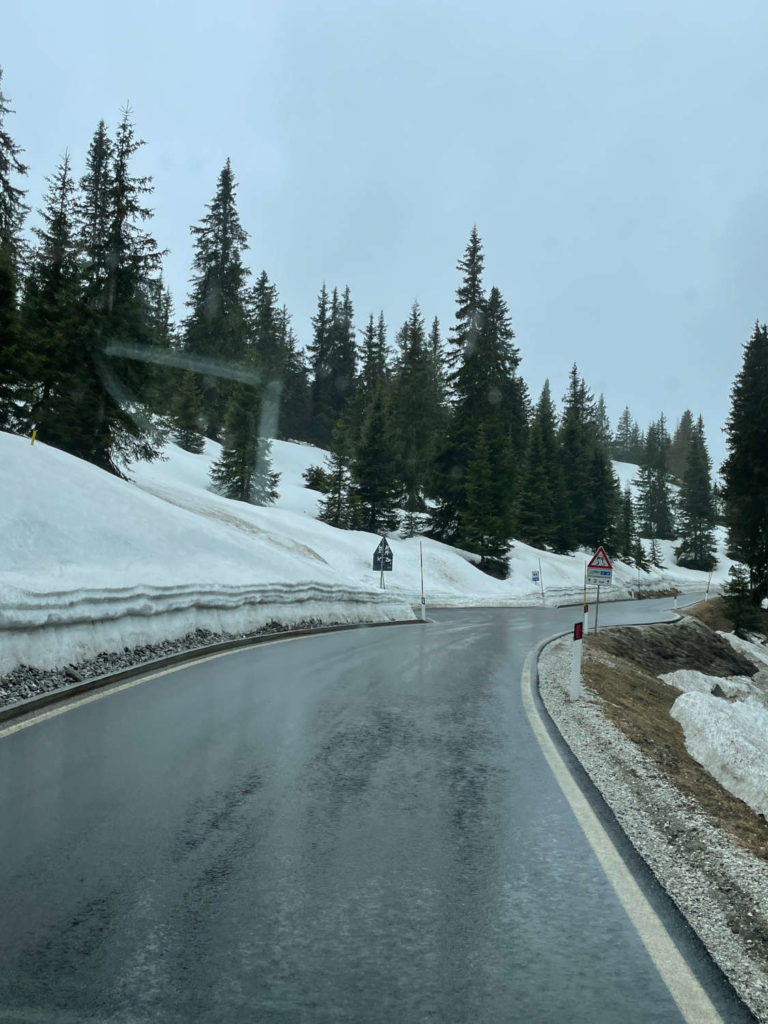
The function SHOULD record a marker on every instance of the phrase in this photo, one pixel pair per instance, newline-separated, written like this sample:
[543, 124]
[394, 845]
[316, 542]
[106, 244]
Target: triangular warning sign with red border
[600, 560]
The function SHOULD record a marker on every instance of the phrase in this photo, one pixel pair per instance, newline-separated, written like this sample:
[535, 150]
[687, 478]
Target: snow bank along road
[360, 826]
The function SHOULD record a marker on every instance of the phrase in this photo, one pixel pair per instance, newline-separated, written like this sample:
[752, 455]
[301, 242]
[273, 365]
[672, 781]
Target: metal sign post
[600, 574]
[382, 560]
[421, 567]
[575, 689]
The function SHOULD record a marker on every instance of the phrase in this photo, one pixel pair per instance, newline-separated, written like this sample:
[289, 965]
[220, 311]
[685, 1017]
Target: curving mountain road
[353, 827]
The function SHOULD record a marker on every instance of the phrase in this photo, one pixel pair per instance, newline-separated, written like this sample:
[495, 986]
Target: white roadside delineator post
[576, 690]
[423, 602]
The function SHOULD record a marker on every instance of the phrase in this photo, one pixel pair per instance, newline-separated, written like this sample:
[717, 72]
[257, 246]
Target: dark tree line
[425, 434]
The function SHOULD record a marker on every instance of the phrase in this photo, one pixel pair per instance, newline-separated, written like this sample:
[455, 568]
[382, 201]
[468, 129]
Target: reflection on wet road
[358, 827]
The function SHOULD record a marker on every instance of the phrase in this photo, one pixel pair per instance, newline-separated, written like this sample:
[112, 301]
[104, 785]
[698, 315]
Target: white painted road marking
[691, 999]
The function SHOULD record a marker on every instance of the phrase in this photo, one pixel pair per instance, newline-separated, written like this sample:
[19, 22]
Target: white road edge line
[691, 999]
[109, 691]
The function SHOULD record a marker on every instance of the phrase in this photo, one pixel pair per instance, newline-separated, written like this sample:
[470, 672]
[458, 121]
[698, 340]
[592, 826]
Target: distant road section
[354, 827]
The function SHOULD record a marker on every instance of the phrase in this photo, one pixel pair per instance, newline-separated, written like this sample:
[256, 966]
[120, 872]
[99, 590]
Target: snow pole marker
[421, 566]
[541, 581]
[34, 435]
[586, 605]
[575, 690]
[709, 580]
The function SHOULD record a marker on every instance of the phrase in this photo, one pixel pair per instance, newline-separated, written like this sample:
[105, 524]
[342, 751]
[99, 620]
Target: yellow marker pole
[34, 435]
[421, 566]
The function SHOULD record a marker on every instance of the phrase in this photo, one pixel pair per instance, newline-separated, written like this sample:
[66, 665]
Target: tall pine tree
[13, 210]
[697, 510]
[542, 512]
[417, 418]
[745, 470]
[654, 503]
[217, 325]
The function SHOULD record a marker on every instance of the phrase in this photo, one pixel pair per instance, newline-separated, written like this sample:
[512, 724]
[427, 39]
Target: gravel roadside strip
[721, 888]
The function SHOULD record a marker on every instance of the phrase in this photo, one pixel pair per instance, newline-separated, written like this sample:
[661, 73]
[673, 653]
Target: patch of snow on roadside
[729, 740]
[755, 651]
[690, 681]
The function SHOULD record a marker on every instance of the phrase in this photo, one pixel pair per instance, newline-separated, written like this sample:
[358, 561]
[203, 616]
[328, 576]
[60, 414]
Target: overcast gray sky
[612, 154]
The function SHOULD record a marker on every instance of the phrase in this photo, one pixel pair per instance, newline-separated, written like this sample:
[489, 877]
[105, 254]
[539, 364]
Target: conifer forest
[430, 428]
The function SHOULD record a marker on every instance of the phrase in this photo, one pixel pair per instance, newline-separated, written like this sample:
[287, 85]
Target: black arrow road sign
[383, 557]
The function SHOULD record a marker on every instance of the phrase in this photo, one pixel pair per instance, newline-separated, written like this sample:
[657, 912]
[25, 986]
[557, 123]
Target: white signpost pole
[421, 566]
[575, 690]
[541, 580]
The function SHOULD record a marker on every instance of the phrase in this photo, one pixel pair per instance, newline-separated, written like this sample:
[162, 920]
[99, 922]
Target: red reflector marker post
[578, 633]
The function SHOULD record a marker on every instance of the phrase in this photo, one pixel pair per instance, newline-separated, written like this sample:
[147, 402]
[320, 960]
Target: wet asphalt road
[357, 827]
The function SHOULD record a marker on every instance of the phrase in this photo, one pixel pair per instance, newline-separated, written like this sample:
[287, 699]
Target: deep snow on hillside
[89, 561]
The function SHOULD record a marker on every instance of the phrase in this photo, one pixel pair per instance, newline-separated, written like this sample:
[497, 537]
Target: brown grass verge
[712, 614]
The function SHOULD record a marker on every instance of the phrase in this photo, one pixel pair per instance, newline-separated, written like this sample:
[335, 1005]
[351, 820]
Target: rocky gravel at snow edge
[26, 681]
[720, 887]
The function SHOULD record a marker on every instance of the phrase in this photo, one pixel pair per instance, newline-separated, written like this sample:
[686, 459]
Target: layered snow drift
[730, 740]
[89, 562]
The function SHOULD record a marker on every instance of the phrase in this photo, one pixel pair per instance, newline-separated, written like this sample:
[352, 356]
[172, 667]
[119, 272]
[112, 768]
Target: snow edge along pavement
[60, 694]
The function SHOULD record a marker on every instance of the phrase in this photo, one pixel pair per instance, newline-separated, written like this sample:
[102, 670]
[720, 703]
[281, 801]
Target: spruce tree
[542, 514]
[654, 554]
[622, 440]
[271, 350]
[94, 214]
[188, 415]
[678, 450]
[602, 423]
[625, 533]
[697, 510]
[217, 325]
[745, 470]
[295, 408]
[120, 263]
[740, 604]
[339, 507]
[243, 470]
[416, 416]
[487, 392]
[654, 503]
[333, 360]
[373, 357]
[132, 272]
[375, 471]
[53, 321]
[13, 210]
[470, 302]
[590, 483]
[483, 527]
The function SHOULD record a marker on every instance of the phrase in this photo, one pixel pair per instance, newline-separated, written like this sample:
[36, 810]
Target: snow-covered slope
[89, 562]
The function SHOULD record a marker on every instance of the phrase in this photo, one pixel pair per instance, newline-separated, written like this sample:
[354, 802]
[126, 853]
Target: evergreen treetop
[470, 299]
[13, 210]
